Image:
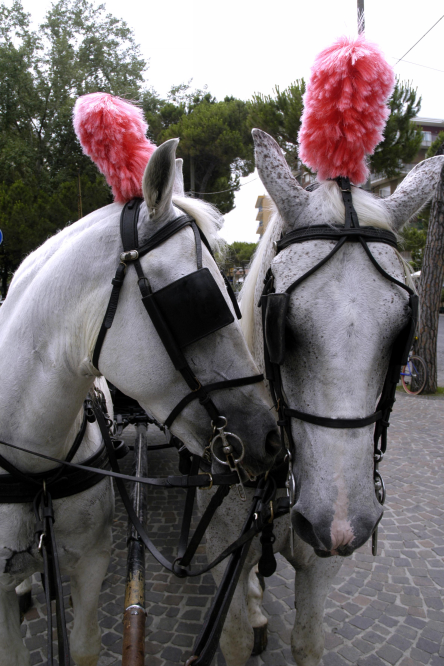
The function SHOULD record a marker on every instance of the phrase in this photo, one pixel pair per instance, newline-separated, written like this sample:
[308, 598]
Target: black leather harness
[274, 315]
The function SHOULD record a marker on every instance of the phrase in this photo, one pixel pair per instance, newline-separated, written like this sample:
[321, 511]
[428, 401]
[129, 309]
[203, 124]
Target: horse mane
[371, 213]
[208, 219]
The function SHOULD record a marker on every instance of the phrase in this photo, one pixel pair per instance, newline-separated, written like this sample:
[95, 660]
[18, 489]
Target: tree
[215, 141]
[236, 256]
[413, 238]
[402, 137]
[280, 116]
[79, 48]
[430, 286]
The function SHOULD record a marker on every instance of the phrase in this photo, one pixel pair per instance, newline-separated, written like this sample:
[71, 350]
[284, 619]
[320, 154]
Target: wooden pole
[133, 651]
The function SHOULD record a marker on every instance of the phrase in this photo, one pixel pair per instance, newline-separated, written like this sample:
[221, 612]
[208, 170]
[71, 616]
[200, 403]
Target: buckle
[132, 255]
[211, 481]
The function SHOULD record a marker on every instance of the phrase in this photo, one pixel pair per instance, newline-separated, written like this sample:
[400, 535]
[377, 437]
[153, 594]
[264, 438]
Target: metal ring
[228, 434]
[178, 570]
[138, 606]
[220, 427]
[378, 491]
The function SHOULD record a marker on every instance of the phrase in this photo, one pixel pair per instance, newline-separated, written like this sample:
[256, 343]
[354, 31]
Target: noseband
[183, 312]
[274, 312]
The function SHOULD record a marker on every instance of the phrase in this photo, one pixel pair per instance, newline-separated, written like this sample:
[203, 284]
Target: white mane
[371, 213]
[207, 218]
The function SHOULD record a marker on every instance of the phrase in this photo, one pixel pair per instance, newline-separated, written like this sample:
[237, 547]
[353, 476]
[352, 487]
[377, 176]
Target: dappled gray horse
[340, 327]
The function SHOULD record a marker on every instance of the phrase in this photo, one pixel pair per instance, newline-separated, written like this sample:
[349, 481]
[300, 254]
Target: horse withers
[48, 330]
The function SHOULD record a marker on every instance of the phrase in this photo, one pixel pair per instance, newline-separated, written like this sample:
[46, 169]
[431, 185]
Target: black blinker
[192, 307]
[275, 317]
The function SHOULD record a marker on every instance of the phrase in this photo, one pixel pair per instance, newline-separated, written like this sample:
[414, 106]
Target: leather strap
[202, 392]
[333, 423]
[334, 232]
[200, 480]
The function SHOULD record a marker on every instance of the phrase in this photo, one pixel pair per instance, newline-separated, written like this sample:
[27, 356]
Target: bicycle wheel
[415, 375]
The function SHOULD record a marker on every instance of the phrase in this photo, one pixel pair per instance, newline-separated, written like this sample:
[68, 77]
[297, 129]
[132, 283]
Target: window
[426, 138]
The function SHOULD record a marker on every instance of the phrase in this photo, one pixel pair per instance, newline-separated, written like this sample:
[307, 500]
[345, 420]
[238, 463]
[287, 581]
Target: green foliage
[436, 145]
[280, 116]
[414, 240]
[79, 48]
[236, 255]
[402, 137]
[215, 140]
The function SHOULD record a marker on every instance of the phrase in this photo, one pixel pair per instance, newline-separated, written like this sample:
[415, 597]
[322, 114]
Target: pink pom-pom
[345, 109]
[112, 133]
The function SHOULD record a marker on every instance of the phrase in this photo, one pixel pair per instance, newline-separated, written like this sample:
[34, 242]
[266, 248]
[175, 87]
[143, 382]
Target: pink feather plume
[112, 133]
[345, 109]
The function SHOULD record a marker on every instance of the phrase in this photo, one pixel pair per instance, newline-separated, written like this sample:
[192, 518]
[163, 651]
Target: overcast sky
[238, 47]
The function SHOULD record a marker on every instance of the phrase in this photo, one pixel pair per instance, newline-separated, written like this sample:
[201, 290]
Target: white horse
[341, 325]
[48, 329]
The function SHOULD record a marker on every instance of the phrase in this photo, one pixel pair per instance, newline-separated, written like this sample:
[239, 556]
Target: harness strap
[201, 394]
[44, 513]
[188, 510]
[200, 480]
[263, 513]
[117, 283]
[333, 423]
[327, 232]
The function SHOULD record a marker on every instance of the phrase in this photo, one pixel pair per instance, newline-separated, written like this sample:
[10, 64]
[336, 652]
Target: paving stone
[390, 654]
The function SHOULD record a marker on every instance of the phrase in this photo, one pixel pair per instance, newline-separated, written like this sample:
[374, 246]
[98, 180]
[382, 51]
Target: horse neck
[47, 333]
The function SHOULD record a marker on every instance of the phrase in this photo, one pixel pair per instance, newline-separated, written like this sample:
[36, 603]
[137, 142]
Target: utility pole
[361, 17]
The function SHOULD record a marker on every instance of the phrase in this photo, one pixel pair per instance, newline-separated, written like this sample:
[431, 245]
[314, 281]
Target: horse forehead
[348, 280]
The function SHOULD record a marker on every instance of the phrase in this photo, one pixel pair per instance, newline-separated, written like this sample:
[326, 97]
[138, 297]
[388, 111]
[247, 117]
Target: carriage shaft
[133, 651]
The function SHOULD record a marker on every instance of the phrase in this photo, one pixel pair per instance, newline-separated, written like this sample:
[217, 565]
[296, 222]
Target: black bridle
[274, 313]
[185, 311]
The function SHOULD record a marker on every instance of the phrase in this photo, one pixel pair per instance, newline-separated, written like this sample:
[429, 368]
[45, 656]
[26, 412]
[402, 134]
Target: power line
[231, 189]
[418, 65]
[426, 33]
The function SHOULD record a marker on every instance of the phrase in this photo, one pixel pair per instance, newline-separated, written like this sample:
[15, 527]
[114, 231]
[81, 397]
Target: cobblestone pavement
[383, 610]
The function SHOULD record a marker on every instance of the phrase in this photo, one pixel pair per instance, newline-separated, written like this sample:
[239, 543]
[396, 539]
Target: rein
[274, 311]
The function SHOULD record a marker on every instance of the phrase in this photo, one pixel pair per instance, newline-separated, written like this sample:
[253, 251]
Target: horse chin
[341, 551]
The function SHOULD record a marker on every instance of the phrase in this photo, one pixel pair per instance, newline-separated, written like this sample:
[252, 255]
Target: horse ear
[416, 189]
[158, 179]
[178, 188]
[289, 197]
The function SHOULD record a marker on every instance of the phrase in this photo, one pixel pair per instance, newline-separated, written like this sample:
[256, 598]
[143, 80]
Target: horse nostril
[272, 443]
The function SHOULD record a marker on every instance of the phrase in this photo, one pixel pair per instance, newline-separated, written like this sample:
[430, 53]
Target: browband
[335, 232]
